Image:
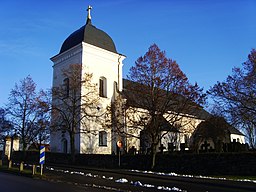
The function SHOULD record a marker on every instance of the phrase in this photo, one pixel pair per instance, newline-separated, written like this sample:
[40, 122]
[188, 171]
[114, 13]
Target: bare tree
[74, 104]
[235, 98]
[5, 126]
[25, 109]
[157, 91]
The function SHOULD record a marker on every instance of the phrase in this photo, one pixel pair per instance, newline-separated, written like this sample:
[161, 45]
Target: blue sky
[207, 38]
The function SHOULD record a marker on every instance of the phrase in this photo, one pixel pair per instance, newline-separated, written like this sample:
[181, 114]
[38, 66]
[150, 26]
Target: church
[95, 50]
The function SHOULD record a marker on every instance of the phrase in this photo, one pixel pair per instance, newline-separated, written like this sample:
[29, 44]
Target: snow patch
[122, 180]
[148, 185]
[169, 188]
[88, 175]
[137, 183]
[191, 176]
[108, 178]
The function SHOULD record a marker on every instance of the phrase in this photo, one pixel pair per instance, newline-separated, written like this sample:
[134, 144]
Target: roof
[166, 126]
[91, 35]
[233, 130]
[130, 92]
[216, 126]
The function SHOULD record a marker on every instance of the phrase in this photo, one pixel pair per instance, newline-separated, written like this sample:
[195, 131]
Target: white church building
[96, 51]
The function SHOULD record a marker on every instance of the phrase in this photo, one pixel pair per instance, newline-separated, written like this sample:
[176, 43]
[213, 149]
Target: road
[14, 183]
[60, 179]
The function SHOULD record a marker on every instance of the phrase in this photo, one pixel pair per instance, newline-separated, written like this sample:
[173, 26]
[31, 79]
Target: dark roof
[91, 35]
[135, 100]
[216, 128]
[166, 126]
[233, 130]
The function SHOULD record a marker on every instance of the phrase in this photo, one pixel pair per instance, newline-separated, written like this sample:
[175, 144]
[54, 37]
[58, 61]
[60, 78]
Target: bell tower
[95, 50]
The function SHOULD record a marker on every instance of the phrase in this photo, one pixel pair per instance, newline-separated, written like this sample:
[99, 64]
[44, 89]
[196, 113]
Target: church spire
[89, 18]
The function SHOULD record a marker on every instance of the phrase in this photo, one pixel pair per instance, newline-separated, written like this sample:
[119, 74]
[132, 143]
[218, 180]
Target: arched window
[103, 87]
[66, 87]
[103, 138]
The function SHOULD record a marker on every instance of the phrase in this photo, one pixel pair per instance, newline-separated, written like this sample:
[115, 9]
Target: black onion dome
[91, 35]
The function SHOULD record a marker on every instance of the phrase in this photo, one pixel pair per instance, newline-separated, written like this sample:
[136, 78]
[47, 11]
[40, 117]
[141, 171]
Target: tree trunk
[24, 146]
[153, 156]
[72, 146]
[23, 152]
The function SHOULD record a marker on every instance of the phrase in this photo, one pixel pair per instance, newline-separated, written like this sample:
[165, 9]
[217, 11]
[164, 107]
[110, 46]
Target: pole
[119, 158]
[21, 166]
[42, 165]
[33, 169]
[119, 145]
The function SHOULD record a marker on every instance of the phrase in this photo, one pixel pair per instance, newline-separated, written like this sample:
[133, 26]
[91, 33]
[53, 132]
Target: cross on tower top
[89, 12]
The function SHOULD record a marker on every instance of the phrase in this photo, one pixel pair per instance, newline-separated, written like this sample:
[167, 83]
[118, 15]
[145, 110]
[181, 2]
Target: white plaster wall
[171, 137]
[133, 141]
[7, 150]
[90, 143]
[239, 138]
[188, 125]
[11, 144]
[56, 141]
[100, 63]
[16, 144]
[133, 115]
[103, 63]
[62, 61]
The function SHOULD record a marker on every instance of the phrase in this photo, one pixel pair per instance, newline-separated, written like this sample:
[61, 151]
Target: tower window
[66, 87]
[103, 138]
[103, 87]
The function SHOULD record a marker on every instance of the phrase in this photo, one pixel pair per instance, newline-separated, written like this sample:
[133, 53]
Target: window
[66, 87]
[102, 138]
[103, 87]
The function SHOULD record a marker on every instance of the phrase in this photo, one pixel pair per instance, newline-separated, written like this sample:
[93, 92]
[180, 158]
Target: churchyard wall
[181, 163]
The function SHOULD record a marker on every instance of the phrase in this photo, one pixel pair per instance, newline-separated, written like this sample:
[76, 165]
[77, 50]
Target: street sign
[42, 158]
[42, 155]
[119, 144]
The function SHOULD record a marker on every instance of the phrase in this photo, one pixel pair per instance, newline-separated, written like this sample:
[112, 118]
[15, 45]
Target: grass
[237, 177]
[27, 171]
[15, 170]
